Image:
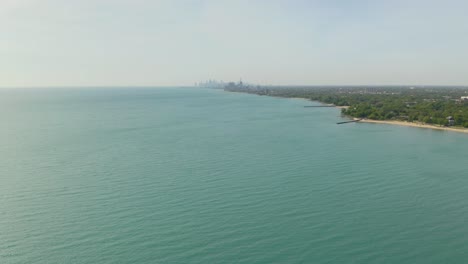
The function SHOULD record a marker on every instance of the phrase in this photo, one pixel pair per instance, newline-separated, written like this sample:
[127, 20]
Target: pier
[319, 106]
[351, 121]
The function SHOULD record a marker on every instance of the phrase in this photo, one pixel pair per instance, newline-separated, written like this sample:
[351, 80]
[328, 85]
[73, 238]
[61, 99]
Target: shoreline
[392, 122]
[411, 124]
[387, 122]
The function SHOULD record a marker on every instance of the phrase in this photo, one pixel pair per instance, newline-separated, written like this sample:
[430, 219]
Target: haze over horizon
[169, 43]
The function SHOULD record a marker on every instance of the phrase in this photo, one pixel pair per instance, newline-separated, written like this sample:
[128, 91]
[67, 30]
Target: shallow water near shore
[184, 175]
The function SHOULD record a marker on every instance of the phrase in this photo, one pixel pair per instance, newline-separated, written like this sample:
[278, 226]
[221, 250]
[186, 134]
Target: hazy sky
[176, 42]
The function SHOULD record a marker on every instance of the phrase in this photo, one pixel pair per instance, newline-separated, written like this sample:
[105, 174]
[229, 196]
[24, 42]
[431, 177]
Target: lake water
[180, 175]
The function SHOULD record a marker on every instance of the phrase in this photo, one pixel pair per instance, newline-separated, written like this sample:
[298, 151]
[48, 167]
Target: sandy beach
[411, 124]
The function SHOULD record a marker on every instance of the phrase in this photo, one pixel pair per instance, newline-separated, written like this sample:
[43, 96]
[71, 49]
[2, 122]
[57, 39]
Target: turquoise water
[178, 175]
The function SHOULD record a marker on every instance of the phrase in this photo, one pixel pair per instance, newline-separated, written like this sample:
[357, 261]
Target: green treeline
[431, 105]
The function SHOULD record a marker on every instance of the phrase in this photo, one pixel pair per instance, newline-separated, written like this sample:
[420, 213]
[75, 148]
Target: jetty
[319, 106]
[350, 121]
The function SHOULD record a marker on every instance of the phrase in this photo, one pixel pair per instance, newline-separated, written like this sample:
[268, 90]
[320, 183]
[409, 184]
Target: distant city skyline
[179, 43]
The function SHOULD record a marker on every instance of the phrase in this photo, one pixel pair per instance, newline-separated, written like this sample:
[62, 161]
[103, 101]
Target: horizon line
[195, 86]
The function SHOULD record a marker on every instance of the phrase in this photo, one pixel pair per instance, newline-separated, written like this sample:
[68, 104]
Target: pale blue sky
[142, 42]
